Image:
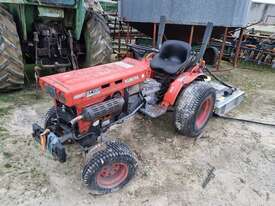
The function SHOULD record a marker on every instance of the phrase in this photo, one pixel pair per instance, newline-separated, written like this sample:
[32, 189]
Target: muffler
[110, 107]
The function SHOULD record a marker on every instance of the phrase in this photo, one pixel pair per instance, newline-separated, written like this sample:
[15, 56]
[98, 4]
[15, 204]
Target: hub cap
[204, 112]
[112, 175]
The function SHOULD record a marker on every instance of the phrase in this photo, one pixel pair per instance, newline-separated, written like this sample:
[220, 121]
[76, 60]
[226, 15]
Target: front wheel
[109, 167]
[194, 108]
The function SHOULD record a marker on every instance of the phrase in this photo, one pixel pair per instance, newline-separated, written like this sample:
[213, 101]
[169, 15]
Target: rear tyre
[11, 61]
[98, 40]
[194, 108]
[109, 167]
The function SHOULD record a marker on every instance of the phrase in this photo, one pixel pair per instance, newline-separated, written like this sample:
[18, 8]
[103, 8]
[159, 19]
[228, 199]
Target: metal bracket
[206, 38]
[162, 24]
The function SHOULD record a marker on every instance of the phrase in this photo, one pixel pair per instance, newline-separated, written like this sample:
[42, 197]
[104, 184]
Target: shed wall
[230, 13]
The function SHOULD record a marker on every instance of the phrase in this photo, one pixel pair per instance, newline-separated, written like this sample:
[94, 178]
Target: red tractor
[89, 101]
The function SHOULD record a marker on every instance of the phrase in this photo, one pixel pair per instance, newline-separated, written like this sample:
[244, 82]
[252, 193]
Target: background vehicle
[54, 35]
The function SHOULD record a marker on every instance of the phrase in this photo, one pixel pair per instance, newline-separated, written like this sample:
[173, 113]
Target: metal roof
[264, 1]
[232, 13]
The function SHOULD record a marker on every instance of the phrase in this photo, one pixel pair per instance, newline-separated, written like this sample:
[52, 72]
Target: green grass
[5, 111]
[256, 67]
[13, 100]
[2, 130]
[250, 78]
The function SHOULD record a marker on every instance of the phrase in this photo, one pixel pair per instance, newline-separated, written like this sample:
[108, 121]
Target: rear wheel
[98, 40]
[194, 108]
[109, 166]
[11, 61]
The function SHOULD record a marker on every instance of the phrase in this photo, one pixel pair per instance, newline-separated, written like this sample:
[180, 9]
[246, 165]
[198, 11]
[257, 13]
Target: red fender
[182, 81]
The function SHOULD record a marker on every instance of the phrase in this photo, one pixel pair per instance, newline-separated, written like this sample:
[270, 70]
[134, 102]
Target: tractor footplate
[49, 141]
[153, 111]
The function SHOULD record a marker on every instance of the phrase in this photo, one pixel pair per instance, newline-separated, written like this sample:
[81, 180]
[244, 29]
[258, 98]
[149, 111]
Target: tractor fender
[181, 82]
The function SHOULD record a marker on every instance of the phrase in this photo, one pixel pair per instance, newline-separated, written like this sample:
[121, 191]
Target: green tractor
[56, 35]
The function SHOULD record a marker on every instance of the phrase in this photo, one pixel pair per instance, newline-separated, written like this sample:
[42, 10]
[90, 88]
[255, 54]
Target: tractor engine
[119, 107]
[89, 101]
[54, 46]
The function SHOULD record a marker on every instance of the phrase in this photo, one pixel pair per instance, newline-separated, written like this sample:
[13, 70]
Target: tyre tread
[187, 105]
[98, 40]
[107, 152]
[11, 61]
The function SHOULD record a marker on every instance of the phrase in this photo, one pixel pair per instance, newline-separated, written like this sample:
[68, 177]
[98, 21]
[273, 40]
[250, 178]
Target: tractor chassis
[89, 101]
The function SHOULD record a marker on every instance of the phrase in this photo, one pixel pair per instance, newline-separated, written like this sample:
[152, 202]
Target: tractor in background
[52, 35]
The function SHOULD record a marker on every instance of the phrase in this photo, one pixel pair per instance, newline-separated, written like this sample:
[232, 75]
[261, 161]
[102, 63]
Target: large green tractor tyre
[11, 60]
[98, 40]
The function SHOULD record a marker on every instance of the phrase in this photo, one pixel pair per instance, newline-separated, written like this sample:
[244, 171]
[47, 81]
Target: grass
[5, 111]
[256, 67]
[2, 130]
[14, 99]
[251, 78]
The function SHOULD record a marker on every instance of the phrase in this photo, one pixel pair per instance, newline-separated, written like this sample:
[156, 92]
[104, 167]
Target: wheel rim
[204, 112]
[112, 175]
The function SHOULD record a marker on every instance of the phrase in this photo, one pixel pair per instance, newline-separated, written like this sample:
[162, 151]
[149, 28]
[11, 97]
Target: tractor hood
[78, 86]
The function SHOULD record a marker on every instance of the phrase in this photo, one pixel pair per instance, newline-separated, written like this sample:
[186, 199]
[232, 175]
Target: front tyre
[50, 119]
[194, 108]
[109, 167]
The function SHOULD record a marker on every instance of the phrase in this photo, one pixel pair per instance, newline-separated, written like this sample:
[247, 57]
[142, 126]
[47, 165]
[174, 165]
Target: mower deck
[226, 102]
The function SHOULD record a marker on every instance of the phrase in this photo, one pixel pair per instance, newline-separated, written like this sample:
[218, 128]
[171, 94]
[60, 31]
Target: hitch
[48, 140]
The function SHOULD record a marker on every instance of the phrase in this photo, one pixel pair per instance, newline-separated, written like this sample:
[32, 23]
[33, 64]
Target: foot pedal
[153, 111]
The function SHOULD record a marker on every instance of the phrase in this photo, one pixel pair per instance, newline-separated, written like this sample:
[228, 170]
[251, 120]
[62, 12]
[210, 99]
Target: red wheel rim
[204, 112]
[112, 175]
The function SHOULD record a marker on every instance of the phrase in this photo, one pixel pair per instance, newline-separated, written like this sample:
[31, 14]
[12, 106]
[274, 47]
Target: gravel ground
[172, 168]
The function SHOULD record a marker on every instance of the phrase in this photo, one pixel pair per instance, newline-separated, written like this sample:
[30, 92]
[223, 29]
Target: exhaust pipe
[110, 107]
[76, 120]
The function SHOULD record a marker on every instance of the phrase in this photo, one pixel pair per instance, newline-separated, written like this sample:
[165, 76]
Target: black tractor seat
[174, 56]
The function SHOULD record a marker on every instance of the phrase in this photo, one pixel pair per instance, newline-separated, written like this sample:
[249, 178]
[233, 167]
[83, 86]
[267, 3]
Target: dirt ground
[172, 168]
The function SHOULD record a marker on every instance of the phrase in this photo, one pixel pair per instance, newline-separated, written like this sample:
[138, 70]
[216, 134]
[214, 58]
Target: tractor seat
[173, 56]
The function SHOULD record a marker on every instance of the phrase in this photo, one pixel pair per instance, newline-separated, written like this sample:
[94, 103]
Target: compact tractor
[56, 35]
[91, 100]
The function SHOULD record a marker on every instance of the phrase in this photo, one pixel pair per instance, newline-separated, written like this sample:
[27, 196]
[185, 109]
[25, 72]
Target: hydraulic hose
[219, 80]
[246, 120]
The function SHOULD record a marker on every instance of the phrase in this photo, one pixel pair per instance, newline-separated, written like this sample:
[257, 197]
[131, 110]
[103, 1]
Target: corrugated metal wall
[230, 13]
[260, 11]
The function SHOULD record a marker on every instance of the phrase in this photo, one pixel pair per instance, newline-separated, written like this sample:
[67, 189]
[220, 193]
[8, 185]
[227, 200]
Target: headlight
[50, 90]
